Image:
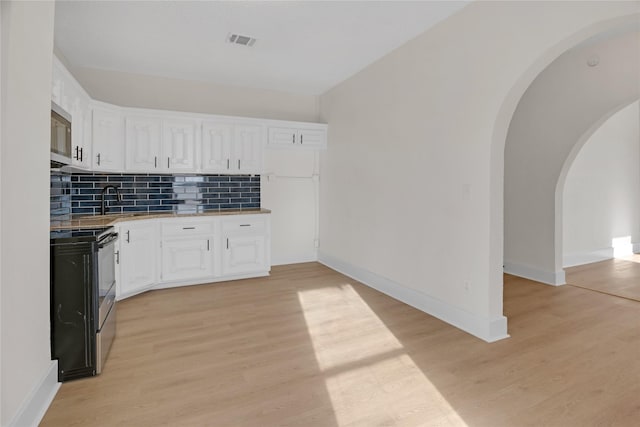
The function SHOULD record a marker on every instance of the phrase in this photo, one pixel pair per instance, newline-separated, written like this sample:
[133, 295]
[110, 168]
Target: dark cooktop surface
[74, 235]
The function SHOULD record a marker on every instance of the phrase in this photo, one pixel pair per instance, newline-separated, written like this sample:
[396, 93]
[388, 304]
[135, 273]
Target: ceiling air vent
[239, 39]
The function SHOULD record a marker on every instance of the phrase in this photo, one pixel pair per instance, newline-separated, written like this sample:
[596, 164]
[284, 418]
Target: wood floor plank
[309, 347]
[618, 276]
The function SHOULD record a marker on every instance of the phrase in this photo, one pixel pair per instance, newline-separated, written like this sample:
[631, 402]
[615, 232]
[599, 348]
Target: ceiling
[303, 47]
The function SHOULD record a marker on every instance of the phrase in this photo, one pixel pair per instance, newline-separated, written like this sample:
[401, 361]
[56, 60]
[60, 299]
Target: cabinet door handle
[77, 152]
[301, 137]
[207, 244]
[188, 228]
[155, 161]
[128, 237]
[168, 159]
[227, 243]
[227, 163]
[81, 153]
[293, 138]
[98, 159]
[117, 257]
[238, 163]
[245, 225]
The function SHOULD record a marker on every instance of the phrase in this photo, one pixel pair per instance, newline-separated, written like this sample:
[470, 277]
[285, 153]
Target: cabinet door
[187, 259]
[86, 149]
[244, 254]
[143, 144]
[79, 155]
[108, 141]
[179, 145]
[282, 136]
[312, 138]
[138, 257]
[216, 147]
[247, 150]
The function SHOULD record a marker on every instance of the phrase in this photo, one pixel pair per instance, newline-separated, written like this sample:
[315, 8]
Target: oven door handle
[108, 240]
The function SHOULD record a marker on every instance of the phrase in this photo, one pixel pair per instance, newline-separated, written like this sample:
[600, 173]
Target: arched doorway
[499, 140]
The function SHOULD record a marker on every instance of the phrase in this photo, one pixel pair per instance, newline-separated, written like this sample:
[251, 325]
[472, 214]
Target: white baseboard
[296, 259]
[553, 278]
[580, 258]
[38, 401]
[487, 329]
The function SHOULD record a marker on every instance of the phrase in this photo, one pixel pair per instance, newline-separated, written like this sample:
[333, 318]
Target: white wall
[27, 42]
[136, 90]
[290, 188]
[410, 181]
[555, 113]
[602, 190]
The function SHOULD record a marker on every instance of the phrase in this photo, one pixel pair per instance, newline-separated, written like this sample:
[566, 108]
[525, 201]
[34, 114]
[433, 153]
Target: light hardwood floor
[310, 347]
[620, 276]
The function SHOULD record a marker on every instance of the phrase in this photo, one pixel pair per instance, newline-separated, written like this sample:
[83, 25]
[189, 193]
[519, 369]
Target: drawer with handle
[187, 228]
[248, 224]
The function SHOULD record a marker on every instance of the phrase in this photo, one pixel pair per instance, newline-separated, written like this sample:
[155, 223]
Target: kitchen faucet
[102, 193]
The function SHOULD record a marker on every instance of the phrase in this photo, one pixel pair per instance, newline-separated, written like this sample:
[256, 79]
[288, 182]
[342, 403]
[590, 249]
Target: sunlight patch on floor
[370, 379]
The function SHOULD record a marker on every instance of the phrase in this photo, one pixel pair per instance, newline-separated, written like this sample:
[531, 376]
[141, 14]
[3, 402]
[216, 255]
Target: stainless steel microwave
[60, 136]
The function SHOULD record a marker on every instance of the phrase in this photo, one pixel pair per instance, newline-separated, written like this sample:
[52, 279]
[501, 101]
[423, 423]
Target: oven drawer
[104, 339]
[107, 303]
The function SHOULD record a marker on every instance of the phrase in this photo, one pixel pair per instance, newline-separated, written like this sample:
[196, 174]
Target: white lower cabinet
[161, 253]
[244, 254]
[246, 244]
[137, 257]
[187, 259]
[188, 249]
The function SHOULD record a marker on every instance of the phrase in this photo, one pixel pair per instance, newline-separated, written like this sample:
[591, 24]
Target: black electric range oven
[83, 309]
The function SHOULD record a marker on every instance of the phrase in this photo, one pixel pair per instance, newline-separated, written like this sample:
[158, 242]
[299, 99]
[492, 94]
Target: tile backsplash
[162, 193]
[60, 197]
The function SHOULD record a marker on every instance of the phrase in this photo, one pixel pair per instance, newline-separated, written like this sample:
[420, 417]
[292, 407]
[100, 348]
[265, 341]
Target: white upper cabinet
[179, 138]
[69, 95]
[156, 144]
[247, 150]
[216, 147]
[143, 143]
[108, 140]
[81, 133]
[232, 148]
[296, 136]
